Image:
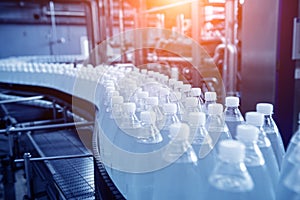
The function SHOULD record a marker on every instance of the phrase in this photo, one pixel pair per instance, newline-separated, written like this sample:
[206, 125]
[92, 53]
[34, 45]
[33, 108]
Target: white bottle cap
[164, 78]
[186, 87]
[215, 109]
[198, 118]
[114, 93]
[264, 108]
[147, 117]
[142, 94]
[152, 101]
[172, 81]
[196, 92]
[178, 84]
[232, 101]
[129, 107]
[170, 108]
[180, 131]
[117, 100]
[164, 91]
[144, 71]
[210, 96]
[247, 133]
[231, 151]
[254, 118]
[110, 88]
[191, 102]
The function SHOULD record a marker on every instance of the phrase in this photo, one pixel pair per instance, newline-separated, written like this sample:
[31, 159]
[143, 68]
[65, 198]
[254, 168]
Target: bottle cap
[247, 133]
[147, 117]
[254, 118]
[180, 131]
[191, 102]
[110, 88]
[231, 151]
[210, 96]
[232, 101]
[186, 87]
[178, 84]
[170, 108]
[215, 109]
[114, 93]
[264, 108]
[144, 71]
[129, 107]
[152, 100]
[196, 92]
[142, 94]
[198, 118]
[117, 99]
[172, 81]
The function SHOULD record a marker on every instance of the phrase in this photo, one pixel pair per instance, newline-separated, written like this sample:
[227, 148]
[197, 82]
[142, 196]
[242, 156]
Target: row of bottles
[173, 142]
[190, 129]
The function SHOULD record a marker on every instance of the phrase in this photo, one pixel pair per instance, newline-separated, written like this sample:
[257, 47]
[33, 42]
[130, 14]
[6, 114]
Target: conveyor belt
[74, 177]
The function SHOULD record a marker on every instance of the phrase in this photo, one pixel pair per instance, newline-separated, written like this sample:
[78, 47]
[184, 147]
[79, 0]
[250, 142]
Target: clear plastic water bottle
[196, 92]
[191, 105]
[257, 119]
[129, 122]
[175, 97]
[149, 133]
[210, 98]
[294, 141]
[255, 163]
[289, 187]
[289, 162]
[196, 121]
[141, 101]
[201, 143]
[151, 104]
[170, 117]
[272, 131]
[232, 114]
[215, 124]
[181, 178]
[185, 92]
[230, 178]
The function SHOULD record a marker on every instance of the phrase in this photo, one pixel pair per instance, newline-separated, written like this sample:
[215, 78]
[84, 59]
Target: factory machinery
[52, 62]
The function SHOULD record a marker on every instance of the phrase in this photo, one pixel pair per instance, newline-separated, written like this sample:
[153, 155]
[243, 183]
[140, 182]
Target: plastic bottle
[149, 133]
[191, 105]
[201, 142]
[272, 131]
[175, 97]
[255, 163]
[170, 117]
[141, 101]
[129, 122]
[257, 119]
[196, 92]
[181, 178]
[294, 141]
[210, 98]
[230, 178]
[215, 124]
[185, 92]
[232, 114]
[290, 161]
[151, 104]
[289, 187]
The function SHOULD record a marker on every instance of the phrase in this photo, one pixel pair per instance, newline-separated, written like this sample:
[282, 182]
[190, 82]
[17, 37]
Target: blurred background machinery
[248, 43]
